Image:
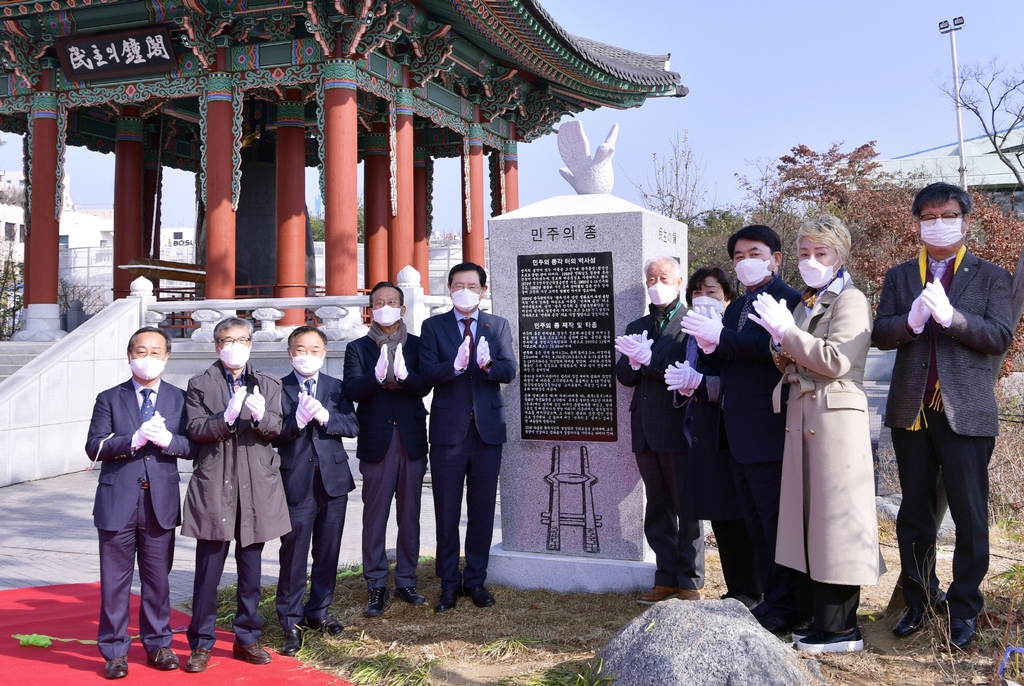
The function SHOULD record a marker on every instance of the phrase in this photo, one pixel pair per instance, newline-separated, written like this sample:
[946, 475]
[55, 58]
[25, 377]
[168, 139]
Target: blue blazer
[115, 419]
[298, 447]
[474, 390]
[381, 409]
[749, 376]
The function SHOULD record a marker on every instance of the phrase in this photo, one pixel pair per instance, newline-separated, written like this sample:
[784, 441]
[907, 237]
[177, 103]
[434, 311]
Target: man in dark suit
[947, 314]
[466, 355]
[138, 431]
[382, 376]
[756, 433]
[317, 481]
[650, 345]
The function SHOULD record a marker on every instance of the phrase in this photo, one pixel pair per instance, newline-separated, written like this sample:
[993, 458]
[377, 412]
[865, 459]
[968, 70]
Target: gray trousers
[396, 477]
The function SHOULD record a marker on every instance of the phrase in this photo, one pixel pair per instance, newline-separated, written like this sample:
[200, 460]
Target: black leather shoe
[198, 661]
[910, 621]
[961, 631]
[376, 600]
[480, 596]
[253, 653]
[163, 659]
[326, 624]
[292, 642]
[409, 595]
[446, 601]
[116, 668]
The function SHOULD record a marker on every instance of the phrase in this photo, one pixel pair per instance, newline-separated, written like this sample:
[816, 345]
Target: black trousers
[923, 457]
[739, 566]
[678, 544]
[834, 606]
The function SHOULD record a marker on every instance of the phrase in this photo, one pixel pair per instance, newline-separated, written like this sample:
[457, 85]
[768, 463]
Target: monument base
[564, 574]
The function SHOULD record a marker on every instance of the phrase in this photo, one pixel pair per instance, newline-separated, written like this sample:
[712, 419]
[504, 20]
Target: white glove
[302, 414]
[935, 298]
[919, 314]
[234, 407]
[381, 370]
[316, 410]
[156, 432]
[773, 315]
[462, 357]
[632, 347]
[682, 378]
[401, 371]
[257, 404]
[644, 354]
[139, 439]
[707, 330]
[483, 353]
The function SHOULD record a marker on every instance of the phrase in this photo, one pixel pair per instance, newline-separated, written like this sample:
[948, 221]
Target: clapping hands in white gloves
[462, 356]
[706, 329]
[401, 371]
[683, 378]
[773, 315]
[919, 313]
[257, 404]
[635, 346]
[381, 369]
[934, 296]
[483, 353]
[234, 407]
[310, 408]
[156, 432]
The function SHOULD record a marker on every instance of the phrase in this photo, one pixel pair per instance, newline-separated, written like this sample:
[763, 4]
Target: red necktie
[467, 332]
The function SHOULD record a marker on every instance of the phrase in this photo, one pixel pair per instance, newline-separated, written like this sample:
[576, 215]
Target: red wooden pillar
[473, 229]
[401, 234]
[151, 199]
[341, 192]
[290, 204]
[220, 169]
[376, 208]
[128, 167]
[420, 249]
[511, 172]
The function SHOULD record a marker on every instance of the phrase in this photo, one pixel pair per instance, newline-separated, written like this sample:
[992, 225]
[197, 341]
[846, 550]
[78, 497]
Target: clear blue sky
[763, 77]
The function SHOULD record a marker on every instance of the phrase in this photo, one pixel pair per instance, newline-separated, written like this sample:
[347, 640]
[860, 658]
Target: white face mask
[704, 303]
[752, 271]
[234, 356]
[942, 234]
[816, 274]
[662, 293]
[147, 367]
[465, 299]
[386, 316]
[307, 365]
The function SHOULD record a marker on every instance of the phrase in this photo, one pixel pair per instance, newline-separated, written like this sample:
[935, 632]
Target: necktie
[309, 388]
[467, 332]
[308, 383]
[748, 305]
[147, 408]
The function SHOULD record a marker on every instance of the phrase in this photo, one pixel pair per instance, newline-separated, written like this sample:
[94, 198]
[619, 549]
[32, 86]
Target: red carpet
[72, 611]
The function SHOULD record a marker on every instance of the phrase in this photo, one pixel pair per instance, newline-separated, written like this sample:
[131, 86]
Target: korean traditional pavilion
[202, 85]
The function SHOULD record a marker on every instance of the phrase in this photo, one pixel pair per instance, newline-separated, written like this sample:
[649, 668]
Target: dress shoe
[292, 642]
[376, 600]
[163, 659]
[326, 624]
[688, 594]
[910, 621]
[253, 653]
[116, 668]
[198, 661]
[409, 595]
[657, 594]
[480, 596]
[446, 601]
[829, 642]
[961, 631]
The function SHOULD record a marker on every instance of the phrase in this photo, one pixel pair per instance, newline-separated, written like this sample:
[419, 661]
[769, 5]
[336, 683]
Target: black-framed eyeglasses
[232, 341]
[948, 218]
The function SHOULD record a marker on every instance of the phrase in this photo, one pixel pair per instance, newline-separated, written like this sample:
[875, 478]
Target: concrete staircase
[15, 354]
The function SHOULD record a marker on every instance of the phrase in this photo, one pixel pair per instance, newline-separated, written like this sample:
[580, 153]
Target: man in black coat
[317, 481]
[138, 432]
[756, 433]
[650, 345]
[382, 376]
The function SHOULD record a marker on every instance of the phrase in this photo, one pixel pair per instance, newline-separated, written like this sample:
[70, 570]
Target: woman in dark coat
[705, 481]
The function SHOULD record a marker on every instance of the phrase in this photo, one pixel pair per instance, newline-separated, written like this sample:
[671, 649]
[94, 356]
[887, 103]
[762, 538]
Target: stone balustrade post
[341, 323]
[207, 323]
[268, 318]
[416, 310]
[141, 289]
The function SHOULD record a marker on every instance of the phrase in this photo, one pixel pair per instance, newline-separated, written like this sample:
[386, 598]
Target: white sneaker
[828, 642]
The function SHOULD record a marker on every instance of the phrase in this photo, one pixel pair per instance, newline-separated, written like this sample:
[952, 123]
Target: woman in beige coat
[828, 528]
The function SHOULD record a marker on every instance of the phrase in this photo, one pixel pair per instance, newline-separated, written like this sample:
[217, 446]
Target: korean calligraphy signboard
[566, 356]
[128, 53]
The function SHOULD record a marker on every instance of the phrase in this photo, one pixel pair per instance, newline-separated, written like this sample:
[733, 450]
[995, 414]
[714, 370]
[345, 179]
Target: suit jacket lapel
[131, 403]
[664, 335]
[221, 397]
[163, 402]
[453, 325]
[967, 271]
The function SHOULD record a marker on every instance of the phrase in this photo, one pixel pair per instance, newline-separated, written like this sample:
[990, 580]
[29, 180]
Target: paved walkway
[47, 536]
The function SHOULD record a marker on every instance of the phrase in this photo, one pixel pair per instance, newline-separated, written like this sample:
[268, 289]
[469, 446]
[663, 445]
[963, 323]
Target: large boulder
[700, 643]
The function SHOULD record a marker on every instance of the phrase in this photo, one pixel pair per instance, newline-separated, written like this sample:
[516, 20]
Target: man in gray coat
[947, 313]
[236, 493]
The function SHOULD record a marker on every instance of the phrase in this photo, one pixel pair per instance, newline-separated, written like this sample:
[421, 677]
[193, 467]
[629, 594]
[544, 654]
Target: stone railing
[341, 314]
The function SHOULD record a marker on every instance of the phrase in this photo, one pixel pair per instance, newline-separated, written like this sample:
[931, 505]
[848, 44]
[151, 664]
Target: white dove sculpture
[587, 176]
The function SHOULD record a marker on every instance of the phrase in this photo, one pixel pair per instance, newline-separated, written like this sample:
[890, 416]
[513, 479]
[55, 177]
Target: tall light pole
[944, 27]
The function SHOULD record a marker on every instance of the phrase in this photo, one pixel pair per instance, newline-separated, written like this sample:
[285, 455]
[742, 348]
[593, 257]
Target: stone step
[16, 354]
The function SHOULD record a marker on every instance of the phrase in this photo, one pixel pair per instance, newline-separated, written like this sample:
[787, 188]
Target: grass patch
[510, 646]
[576, 673]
